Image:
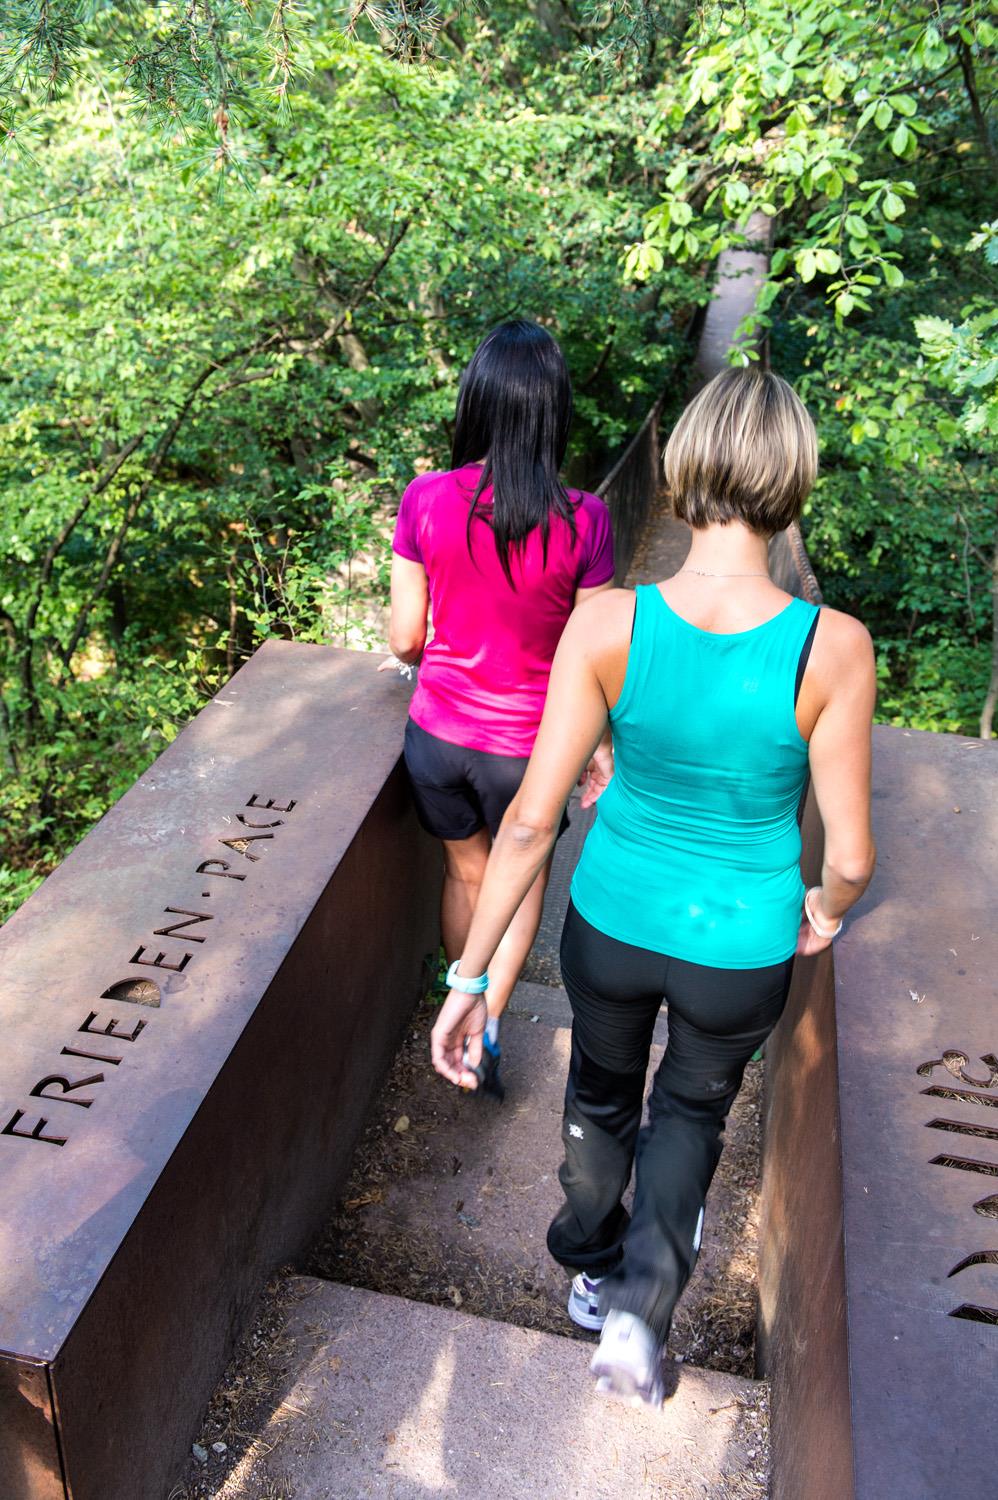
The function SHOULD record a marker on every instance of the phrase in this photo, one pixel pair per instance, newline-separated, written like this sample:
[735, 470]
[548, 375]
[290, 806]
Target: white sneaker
[628, 1362]
[583, 1302]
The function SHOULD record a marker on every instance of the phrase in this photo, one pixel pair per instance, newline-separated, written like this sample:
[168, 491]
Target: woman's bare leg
[464, 867]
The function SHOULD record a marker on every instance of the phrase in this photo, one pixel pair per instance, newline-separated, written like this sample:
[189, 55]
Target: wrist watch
[456, 981]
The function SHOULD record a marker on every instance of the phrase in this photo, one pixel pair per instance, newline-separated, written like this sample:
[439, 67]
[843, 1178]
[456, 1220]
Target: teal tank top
[695, 851]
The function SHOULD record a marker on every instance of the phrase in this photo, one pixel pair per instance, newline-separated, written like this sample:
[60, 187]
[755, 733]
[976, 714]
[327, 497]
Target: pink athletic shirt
[484, 676]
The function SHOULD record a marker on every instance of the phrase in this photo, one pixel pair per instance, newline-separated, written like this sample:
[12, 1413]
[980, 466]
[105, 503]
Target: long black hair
[514, 411]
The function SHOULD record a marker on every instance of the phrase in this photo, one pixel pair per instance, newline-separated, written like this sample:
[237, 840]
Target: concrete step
[541, 1002]
[376, 1396]
[452, 1191]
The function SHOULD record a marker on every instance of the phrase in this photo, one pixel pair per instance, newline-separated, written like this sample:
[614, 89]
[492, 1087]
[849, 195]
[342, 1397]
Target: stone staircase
[427, 1350]
[449, 1384]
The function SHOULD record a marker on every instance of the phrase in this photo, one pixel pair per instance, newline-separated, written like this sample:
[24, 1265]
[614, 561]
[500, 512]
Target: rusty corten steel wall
[275, 837]
[910, 1046]
[801, 1330]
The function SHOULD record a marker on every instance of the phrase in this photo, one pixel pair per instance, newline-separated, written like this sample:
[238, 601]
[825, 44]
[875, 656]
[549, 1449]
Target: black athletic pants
[717, 1019]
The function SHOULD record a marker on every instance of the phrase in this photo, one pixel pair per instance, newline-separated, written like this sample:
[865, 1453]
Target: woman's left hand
[598, 774]
[456, 1038]
[392, 664]
[810, 942]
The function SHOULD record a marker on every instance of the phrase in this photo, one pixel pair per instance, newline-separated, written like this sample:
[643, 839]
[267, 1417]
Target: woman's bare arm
[581, 595]
[410, 609]
[575, 718]
[839, 751]
[597, 775]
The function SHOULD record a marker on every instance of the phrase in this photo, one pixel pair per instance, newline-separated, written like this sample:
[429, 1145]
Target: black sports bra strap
[805, 652]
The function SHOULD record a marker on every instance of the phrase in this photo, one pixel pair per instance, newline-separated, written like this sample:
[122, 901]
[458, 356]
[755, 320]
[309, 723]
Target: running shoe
[628, 1362]
[487, 1071]
[583, 1302]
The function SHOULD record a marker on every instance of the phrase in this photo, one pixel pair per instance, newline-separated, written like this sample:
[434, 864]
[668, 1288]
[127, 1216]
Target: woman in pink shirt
[501, 552]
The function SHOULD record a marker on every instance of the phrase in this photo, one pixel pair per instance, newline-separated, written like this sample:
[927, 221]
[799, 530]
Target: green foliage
[925, 685]
[901, 526]
[210, 403]
[857, 139]
[963, 356]
[813, 117]
[216, 381]
[202, 69]
[16, 885]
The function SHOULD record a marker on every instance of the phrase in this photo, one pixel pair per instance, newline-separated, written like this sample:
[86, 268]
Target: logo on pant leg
[577, 1131]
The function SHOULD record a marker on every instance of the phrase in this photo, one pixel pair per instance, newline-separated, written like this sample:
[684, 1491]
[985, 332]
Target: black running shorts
[456, 790]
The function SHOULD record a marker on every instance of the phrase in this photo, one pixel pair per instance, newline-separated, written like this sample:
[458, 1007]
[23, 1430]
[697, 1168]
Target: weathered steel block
[879, 1245]
[195, 1008]
[801, 1330]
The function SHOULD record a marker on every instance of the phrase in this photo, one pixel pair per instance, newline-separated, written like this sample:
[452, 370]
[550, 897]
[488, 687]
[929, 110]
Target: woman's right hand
[456, 1038]
[815, 933]
[392, 664]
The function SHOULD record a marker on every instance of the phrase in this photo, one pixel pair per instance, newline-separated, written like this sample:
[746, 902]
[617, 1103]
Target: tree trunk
[991, 700]
[8, 755]
[430, 305]
[980, 119]
[118, 623]
[355, 354]
[27, 670]
[8, 752]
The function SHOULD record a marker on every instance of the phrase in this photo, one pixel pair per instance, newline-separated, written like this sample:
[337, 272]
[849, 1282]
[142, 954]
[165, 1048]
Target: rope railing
[790, 565]
[630, 487]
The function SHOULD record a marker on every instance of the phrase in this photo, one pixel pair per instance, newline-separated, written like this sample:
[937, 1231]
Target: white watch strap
[456, 981]
[823, 932]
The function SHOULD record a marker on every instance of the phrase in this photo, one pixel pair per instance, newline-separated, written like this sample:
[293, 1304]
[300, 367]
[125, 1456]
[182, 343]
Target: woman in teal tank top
[696, 849]
[723, 693]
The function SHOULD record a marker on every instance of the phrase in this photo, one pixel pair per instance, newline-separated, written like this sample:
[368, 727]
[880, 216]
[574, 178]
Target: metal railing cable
[631, 486]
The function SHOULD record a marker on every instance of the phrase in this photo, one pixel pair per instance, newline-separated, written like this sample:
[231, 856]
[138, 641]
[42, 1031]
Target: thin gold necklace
[706, 573]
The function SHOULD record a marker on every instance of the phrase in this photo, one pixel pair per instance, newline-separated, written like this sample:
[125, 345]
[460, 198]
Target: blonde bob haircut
[744, 449]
